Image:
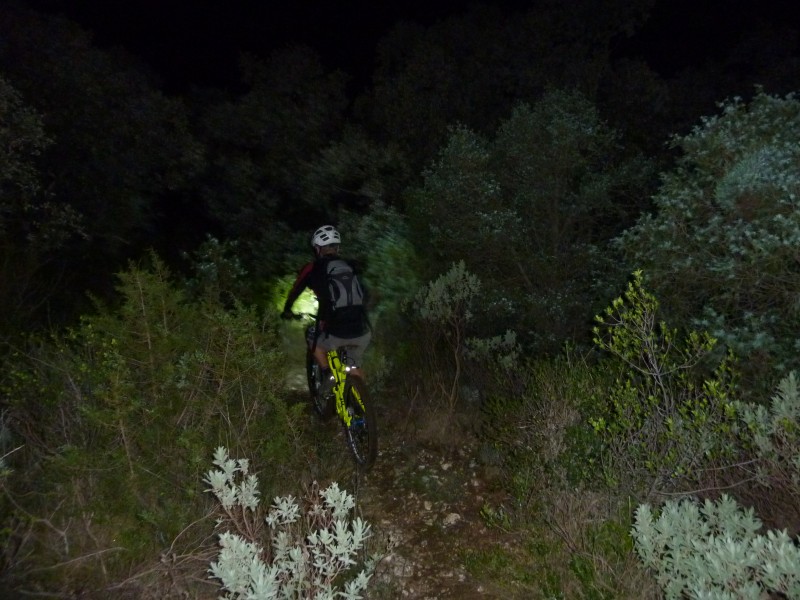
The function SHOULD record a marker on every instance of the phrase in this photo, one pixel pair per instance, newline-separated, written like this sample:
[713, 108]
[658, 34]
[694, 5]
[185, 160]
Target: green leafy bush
[532, 423]
[116, 417]
[309, 551]
[715, 550]
[535, 436]
[668, 414]
[217, 272]
[720, 249]
[770, 440]
[545, 195]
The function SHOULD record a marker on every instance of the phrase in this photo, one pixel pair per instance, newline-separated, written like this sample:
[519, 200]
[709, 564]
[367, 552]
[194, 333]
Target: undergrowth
[116, 417]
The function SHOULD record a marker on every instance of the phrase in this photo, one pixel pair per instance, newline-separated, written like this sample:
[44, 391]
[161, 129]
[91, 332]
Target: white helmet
[325, 236]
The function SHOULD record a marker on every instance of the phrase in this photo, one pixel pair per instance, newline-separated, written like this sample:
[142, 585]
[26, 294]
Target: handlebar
[297, 316]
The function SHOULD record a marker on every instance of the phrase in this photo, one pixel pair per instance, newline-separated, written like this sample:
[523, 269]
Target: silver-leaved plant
[309, 549]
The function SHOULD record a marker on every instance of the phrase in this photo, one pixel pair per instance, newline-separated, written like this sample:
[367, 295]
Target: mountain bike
[344, 395]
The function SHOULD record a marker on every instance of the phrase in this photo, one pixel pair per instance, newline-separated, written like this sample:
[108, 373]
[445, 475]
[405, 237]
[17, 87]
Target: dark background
[160, 162]
[198, 42]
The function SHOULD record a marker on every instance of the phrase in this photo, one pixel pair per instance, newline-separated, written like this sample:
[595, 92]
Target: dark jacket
[345, 323]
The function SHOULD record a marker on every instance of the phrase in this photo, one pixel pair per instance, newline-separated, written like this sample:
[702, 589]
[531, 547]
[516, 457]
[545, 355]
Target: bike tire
[362, 433]
[324, 407]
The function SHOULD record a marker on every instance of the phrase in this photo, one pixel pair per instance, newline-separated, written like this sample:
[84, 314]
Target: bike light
[306, 302]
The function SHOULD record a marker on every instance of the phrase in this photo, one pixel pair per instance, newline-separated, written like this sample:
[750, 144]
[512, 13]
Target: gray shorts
[355, 346]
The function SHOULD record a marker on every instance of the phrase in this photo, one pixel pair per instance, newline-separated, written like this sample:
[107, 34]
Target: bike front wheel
[362, 432]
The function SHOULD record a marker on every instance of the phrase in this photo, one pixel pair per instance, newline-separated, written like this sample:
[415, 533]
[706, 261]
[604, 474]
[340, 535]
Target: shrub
[116, 416]
[217, 272]
[668, 414]
[714, 550]
[773, 434]
[767, 472]
[535, 435]
[308, 552]
[532, 422]
[445, 307]
[720, 250]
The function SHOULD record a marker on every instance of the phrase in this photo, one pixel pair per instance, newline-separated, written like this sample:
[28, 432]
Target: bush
[668, 414]
[715, 551]
[772, 433]
[444, 306]
[532, 421]
[766, 474]
[534, 433]
[308, 552]
[117, 416]
[720, 250]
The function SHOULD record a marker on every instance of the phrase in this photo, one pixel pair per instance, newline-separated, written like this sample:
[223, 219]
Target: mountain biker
[337, 325]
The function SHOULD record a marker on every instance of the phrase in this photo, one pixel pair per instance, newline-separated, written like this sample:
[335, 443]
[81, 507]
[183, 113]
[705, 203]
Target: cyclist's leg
[355, 350]
[320, 348]
[321, 356]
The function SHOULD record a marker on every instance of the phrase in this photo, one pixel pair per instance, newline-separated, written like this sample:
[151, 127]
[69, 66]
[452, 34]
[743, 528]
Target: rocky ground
[423, 497]
[427, 506]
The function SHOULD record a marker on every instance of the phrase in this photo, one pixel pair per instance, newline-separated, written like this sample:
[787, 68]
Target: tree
[262, 146]
[32, 227]
[474, 67]
[121, 150]
[355, 172]
[720, 248]
[531, 211]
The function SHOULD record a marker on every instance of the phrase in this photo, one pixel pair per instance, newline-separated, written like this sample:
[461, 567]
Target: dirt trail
[429, 504]
[423, 501]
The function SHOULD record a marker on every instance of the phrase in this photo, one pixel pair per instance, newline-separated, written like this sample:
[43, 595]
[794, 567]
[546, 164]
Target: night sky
[198, 41]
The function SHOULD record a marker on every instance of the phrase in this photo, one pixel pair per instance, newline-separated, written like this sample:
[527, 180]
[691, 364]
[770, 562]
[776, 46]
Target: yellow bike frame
[339, 375]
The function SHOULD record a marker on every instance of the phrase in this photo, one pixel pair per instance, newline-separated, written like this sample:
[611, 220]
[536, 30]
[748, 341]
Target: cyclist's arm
[301, 283]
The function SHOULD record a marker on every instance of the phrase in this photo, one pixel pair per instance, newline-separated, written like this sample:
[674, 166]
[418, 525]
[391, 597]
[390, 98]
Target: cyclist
[342, 318]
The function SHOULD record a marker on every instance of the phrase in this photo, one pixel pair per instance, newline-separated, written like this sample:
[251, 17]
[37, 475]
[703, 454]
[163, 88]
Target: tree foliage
[33, 227]
[262, 146]
[116, 418]
[771, 432]
[472, 68]
[544, 195]
[720, 248]
[120, 151]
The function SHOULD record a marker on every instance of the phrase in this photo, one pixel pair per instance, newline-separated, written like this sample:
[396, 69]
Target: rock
[451, 519]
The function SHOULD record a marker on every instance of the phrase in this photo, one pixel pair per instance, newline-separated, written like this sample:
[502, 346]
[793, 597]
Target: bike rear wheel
[362, 433]
[324, 407]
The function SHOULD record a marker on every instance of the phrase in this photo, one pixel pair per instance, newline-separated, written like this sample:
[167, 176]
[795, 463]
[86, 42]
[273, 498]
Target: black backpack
[345, 312]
